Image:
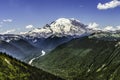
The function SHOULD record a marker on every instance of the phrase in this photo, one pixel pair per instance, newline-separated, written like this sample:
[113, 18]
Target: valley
[65, 48]
[59, 39]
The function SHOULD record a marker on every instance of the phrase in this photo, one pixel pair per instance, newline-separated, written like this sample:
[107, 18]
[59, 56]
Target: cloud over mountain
[29, 27]
[93, 25]
[9, 31]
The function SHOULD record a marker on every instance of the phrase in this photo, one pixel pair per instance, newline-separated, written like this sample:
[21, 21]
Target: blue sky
[40, 12]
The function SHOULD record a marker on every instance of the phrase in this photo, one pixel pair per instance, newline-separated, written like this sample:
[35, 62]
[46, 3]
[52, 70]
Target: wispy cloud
[23, 32]
[7, 20]
[108, 5]
[29, 27]
[9, 31]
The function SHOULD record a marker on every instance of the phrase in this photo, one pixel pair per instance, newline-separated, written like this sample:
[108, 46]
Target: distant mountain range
[17, 46]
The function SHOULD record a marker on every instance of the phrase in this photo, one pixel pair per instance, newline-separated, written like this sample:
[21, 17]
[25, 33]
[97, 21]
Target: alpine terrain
[42, 40]
[65, 48]
[29, 45]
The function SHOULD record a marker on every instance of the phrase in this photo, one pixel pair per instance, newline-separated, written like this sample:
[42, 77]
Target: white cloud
[108, 5]
[93, 25]
[109, 28]
[7, 20]
[118, 27]
[29, 27]
[9, 31]
[23, 32]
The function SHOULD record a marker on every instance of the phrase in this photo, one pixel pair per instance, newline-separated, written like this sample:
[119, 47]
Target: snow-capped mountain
[29, 45]
[56, 33]
[47, 38]
[59, 28]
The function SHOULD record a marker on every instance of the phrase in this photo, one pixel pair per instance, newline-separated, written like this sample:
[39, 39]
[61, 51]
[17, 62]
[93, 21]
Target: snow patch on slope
[8, 62]
[30, 62]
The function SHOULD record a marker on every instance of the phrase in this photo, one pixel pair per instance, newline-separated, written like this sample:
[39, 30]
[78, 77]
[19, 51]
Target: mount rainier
[30, 44]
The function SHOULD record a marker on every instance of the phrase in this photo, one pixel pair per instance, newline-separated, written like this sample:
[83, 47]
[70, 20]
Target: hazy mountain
[87, 58]
[18, 47]
[29, 49]
[11, 49]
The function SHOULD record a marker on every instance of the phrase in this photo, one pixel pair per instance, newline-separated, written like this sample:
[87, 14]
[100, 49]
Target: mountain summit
[47, 38]
[61, 27]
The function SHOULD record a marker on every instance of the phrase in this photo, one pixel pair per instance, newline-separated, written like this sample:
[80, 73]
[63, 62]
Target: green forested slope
[84, 59]
[12, 69]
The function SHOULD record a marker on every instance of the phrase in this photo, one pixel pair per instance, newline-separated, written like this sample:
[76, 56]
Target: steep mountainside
[87, 58]
[12, 69]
